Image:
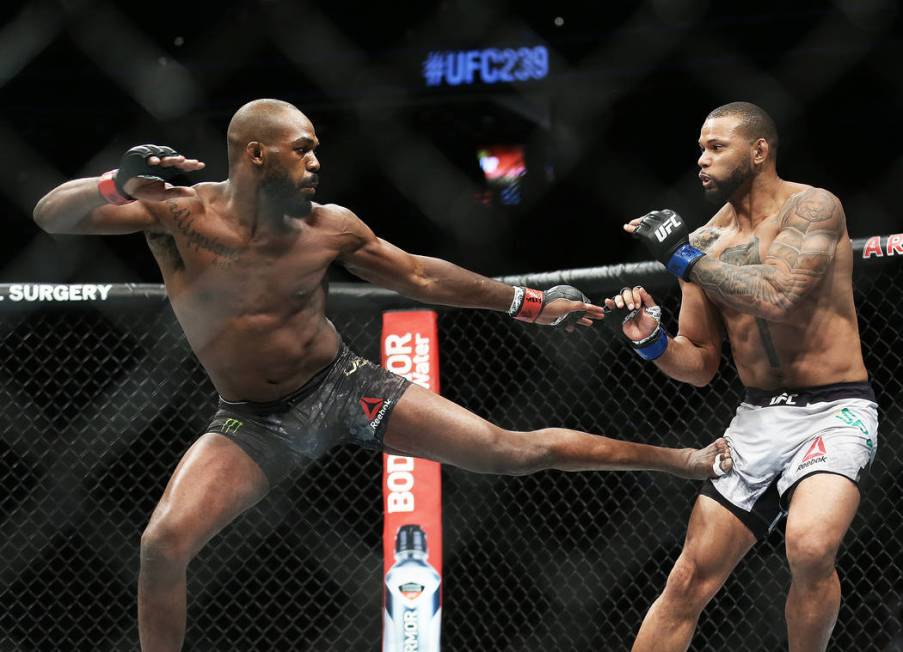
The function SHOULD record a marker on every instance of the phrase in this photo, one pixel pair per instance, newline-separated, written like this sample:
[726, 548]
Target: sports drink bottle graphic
[413, 615]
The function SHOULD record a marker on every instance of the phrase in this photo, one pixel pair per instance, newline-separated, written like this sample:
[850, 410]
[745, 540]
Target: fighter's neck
[254, 211]
[761, 200]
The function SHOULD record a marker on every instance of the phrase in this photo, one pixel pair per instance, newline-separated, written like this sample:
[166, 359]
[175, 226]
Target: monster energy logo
[231, 426]
[355, 365]
[849, 417]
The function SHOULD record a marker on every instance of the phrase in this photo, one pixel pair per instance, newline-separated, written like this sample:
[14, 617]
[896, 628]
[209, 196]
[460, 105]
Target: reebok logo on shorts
[374, 409]
[371, 406]
[816, 453]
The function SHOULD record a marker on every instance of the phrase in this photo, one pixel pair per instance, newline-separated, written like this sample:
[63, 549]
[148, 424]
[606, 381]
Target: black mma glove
[134, 164]
[666, 236]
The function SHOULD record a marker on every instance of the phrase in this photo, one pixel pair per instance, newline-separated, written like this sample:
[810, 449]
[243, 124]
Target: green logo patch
[849, 418]
[231, 426]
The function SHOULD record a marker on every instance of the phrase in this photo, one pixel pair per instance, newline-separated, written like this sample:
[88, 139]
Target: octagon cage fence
[101, 398]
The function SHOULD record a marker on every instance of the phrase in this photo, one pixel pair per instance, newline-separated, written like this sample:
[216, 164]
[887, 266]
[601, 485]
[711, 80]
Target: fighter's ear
[255, 152]
[760, 150]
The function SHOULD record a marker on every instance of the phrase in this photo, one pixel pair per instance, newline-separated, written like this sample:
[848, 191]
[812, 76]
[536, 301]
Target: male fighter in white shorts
[773, 271]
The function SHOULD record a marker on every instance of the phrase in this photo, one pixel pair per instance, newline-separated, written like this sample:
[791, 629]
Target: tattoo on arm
[184, 221]
[163, 246]
[811, 224]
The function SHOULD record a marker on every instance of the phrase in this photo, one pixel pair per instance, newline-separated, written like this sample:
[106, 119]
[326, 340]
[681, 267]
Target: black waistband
[809, 395]
[299, 394]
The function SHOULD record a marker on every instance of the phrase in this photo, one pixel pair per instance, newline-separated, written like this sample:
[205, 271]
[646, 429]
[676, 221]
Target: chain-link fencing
[100, 400]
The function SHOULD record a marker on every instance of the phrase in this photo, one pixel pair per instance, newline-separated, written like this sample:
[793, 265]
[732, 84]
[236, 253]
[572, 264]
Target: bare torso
[252, 304]
[819, 343]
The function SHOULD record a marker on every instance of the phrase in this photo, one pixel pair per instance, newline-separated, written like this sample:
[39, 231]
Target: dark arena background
[512, 173]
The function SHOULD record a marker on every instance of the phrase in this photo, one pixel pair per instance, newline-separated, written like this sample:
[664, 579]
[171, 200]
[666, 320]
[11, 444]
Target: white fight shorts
[780, 437]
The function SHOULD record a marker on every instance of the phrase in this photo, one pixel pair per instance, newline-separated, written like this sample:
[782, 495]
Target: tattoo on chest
[768, 344]
[744, 254]
[748, 254]
[184, 221]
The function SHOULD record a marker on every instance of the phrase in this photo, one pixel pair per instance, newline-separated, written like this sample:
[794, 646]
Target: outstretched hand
[558, 310]
[150, 188]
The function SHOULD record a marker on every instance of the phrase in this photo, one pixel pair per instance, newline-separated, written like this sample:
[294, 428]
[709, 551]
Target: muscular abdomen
[257, 352]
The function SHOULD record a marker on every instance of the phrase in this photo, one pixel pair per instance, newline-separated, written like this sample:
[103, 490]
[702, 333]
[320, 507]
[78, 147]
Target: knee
[810, 557]
[688, 588]
[517, 453]
[164, 544]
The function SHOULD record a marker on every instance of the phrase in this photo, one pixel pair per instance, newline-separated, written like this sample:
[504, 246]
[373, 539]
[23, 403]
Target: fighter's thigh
[214, 482]
[716, 542]
[424, 424]
[821, 509]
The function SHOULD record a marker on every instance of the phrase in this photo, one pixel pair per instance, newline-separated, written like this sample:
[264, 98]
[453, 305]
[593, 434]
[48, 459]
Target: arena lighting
[503, 166]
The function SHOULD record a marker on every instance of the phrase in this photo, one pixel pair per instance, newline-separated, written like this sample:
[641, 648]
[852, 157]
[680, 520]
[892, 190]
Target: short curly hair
[754, 122]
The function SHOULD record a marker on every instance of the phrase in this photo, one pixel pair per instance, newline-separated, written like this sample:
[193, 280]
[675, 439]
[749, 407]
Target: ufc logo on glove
[664, 230]
[665, 234]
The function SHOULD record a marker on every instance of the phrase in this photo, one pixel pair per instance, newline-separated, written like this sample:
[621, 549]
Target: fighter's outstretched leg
[427, 425]
[214, 482]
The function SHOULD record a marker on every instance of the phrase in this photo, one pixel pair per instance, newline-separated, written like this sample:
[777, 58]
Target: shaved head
[272, 151]
[263, 121]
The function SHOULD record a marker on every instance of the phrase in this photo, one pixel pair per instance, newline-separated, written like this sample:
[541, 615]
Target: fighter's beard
[721, 191]
[282, 192]
[299, 207]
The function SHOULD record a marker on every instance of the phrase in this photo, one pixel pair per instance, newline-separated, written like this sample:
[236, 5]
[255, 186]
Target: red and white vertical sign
[412, 487]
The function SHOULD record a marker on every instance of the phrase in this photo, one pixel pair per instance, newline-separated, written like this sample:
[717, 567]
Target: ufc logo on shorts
[664, 230]
[786, 399]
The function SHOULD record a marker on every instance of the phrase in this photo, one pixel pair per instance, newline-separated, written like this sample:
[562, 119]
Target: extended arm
[78, 207]
[107, 205]
[433, 280]
[426, 279]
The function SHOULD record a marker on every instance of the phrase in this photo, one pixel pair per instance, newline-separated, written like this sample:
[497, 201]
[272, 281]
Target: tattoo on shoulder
[703, 237]
[812, 223]
[184, 221]
[816, 205]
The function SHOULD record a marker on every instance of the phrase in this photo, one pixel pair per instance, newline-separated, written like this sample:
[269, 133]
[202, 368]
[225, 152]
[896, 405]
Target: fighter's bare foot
[701, 461]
